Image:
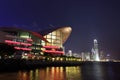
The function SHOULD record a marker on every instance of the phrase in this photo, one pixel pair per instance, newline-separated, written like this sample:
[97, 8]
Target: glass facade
[54, 38]
[24, 41]
[20, 40]
[36, 44]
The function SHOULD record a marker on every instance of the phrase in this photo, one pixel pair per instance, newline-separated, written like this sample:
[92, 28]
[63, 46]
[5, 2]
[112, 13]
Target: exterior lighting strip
[27, 49]
[51, 47]
[50, 51]
[20, 43]
[28, 39]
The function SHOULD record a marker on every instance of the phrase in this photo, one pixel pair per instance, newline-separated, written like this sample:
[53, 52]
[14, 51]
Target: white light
[53, 37]
[97, 59]
[95, 40]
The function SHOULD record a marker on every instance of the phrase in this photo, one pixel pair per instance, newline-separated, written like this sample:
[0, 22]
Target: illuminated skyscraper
[96, 53]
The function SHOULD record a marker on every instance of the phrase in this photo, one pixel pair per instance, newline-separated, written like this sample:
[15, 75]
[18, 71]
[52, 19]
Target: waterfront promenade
[31, 64]
[11, 64]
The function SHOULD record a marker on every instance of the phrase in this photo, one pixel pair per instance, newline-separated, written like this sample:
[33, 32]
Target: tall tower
[96, 53]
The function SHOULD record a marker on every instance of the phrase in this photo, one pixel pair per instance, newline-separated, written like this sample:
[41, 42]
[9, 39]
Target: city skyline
[89, 20]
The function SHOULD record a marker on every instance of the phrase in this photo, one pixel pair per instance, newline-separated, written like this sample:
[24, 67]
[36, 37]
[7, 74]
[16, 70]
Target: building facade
[48, 41]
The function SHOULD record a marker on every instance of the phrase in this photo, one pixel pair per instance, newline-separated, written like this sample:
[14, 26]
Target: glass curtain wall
[54, 38]
[36, 42]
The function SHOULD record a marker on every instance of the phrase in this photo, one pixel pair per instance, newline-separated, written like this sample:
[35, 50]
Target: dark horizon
[89, 20]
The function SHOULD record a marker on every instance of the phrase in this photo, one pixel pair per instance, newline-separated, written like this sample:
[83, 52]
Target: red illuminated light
[26, 49]
[28, 39]
[26, 44]
[20, 43]
[57, 52]
[55, 47]
[12, 42]
[18, 48]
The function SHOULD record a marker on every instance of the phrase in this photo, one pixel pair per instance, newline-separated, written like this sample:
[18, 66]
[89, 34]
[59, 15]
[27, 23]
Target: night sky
[89, 19]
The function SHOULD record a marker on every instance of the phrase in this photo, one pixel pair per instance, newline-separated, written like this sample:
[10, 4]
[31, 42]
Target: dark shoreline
[17, 64]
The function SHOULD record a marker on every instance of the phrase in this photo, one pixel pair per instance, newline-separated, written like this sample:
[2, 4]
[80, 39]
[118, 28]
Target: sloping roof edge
[19, 29]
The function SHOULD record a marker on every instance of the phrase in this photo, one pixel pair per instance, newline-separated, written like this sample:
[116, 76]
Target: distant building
[102, 55]
[85, 56]
[95, 51]
[76, 55]
[69, 53]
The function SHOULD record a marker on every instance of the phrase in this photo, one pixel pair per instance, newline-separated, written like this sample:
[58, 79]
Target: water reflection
[73, 73]
[51, 73]
[100, 72]
[84, 72]
[93, 72]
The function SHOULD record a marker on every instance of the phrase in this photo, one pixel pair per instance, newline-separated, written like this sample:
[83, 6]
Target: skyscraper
[96, 52]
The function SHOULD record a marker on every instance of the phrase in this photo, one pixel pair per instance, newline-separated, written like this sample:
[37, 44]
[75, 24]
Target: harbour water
[84, 72]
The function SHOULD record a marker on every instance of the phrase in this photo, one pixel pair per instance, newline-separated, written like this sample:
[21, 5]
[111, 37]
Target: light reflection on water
[51, 73]
[85, 72]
